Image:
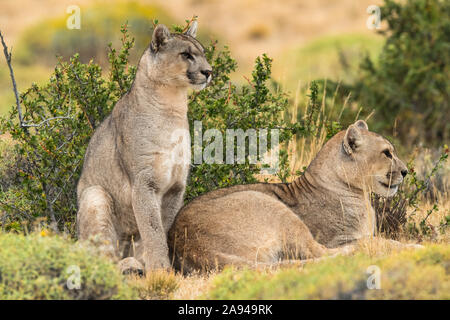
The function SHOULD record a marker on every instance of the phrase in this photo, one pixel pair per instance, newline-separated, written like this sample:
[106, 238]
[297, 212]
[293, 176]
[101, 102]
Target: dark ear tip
[161, 29]
[160, 36]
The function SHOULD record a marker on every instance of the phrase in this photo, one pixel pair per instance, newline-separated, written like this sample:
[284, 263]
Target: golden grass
[158, 284]
[378, 246]
[163, 285]
[302, 150]
[193, 286]
[404, 274]
[434, 219]
[198, 286]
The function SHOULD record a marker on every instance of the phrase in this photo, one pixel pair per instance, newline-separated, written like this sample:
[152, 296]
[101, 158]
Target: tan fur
[137, 161]
[327, 207]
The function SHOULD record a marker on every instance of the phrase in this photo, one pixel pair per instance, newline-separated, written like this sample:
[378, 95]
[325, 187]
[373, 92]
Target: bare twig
[194, 18]
[44, 122]
[23, 124]
[11, 73]
[67, 182]
[249, 82]
[229, 92]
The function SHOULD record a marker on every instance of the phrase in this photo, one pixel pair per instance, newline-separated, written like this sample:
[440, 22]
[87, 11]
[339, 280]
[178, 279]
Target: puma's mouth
[392, 186]
[198, 82]
[204, 84]
[199, 86]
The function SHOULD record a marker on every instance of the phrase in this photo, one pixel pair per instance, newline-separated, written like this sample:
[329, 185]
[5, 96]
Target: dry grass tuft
[193, 286]
[378, 246]
[157, 285]
[164, 285]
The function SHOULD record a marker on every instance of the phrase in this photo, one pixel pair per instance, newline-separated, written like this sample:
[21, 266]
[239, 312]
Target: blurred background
[307, 39]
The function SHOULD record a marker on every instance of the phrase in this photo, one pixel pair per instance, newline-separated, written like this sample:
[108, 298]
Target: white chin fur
[388, 192]
[383, 191]
[393, 190]
[199, 86]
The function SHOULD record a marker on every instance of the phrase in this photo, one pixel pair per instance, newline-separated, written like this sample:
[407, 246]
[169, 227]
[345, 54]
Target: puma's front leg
[171, 204]
[146, 202]
[400, 245]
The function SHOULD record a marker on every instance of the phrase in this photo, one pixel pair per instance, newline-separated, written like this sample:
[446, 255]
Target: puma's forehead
[192, 41]
[380, 140]
[374, 139]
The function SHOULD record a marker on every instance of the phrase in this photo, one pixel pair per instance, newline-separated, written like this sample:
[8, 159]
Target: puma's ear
[192, 31]
[352, 139]
[160, 37]
[362, 125]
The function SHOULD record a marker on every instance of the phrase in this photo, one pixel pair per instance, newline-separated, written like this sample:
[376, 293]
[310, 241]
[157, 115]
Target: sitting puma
[327, 207]
[137, 161]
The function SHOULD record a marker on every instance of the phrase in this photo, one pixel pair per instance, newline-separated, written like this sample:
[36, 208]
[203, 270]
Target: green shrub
[225, 106]
[49, 155]
[411, 274]
[38, 266]
[77, 98]
[8, 160]
[409, 81]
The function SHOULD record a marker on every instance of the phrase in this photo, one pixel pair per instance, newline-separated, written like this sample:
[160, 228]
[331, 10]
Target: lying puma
[325, 208]
[137, 161]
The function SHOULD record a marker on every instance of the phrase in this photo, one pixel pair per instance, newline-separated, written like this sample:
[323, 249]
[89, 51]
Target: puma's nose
[404, 172]
[207, 73]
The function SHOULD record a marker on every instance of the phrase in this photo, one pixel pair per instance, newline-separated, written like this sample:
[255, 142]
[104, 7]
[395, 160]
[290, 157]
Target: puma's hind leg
[95, 220]
[96, 223]
[297, 241]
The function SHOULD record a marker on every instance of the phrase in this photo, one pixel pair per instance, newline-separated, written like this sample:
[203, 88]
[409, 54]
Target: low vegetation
[41, 266]
[410, 274]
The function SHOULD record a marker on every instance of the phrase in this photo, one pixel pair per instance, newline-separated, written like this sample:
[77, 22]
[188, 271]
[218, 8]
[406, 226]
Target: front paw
[343, 250]
[401, 245]
[131, 266]
[414, 246]
[347, 249]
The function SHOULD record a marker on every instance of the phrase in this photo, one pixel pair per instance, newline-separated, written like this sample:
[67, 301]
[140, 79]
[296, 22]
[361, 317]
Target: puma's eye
[387, 153]
[187, 55]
